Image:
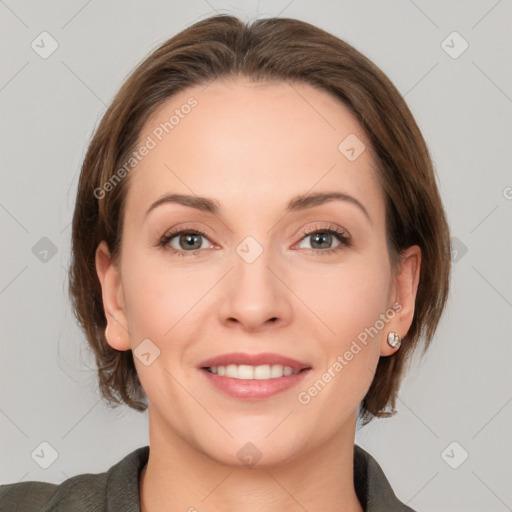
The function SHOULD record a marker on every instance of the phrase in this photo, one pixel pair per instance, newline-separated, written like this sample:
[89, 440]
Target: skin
[252, 147]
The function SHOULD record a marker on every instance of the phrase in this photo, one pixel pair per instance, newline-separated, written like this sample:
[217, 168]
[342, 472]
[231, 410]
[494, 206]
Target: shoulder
[115, 489]
[26, 496]
[88, 490]
[372, 487]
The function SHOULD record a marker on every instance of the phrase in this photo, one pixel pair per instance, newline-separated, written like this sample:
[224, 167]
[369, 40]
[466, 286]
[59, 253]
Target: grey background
[461, 391]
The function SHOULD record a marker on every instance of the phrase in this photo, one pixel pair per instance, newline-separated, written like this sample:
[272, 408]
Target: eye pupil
[325, 236]
[189, 239]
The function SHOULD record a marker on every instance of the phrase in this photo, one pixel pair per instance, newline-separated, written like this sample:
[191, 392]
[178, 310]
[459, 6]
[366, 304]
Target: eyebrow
[297, 203]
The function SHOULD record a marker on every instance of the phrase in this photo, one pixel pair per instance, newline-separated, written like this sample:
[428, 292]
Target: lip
[257, 389]
[253, 360]
[253, 389]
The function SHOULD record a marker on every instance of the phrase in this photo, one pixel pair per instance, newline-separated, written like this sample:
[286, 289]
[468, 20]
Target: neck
[179, 476]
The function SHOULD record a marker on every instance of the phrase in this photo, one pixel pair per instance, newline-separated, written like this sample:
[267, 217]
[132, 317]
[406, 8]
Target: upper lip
[253, 360]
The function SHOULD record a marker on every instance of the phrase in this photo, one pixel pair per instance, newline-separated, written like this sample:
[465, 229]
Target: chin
[253, 456]
[258, 451]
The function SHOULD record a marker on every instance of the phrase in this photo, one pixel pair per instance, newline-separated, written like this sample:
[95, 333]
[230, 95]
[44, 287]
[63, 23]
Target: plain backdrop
[449, 447]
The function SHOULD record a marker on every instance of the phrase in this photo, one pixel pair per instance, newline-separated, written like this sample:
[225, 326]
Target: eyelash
[339, 234]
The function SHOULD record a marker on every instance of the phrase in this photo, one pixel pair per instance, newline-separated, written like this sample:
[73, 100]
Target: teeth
[247, 372]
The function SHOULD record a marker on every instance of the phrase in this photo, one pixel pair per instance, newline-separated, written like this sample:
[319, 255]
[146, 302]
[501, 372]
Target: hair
[266, 50]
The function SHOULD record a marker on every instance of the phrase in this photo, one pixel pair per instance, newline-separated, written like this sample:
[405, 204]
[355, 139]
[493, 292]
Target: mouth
[253, 376]
[248, 372]
[266, 365]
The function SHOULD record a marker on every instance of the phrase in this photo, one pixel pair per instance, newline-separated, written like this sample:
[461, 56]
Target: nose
[253, 295]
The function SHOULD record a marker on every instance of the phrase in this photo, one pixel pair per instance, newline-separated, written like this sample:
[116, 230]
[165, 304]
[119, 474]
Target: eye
[321, 239]
[184, 241]
[190, 242]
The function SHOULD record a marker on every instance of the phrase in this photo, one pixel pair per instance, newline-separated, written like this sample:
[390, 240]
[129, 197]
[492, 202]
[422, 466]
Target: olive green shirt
[117, 490]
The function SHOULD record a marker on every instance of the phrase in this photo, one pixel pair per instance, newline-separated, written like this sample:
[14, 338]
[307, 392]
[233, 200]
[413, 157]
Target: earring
[394, 340]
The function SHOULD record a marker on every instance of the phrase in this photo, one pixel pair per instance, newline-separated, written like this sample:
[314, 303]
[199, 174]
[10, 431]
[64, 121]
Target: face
[264, 272]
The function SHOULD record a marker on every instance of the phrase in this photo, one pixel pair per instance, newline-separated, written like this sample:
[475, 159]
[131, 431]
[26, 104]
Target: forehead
[248, 143]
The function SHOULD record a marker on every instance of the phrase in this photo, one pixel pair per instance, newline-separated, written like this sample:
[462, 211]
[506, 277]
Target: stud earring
[394, 340]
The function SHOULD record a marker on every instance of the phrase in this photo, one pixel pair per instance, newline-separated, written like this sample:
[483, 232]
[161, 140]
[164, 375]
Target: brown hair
[272, 49]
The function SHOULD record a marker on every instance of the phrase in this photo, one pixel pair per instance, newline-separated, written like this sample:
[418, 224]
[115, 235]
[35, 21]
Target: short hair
[265, 50]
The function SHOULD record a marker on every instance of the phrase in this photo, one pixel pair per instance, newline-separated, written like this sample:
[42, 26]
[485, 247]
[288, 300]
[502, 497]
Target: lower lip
[254, 388]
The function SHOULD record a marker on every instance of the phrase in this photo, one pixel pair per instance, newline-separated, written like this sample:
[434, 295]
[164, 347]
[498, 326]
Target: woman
[258, 248]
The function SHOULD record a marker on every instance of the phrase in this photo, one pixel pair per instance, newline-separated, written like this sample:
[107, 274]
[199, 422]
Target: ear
[404, 288]
[116, 331]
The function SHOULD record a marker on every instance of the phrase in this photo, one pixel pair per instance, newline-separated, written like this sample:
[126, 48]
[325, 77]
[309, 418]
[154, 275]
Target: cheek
[347, 298]
[349, 302]
[162, 305]
[162, 300]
